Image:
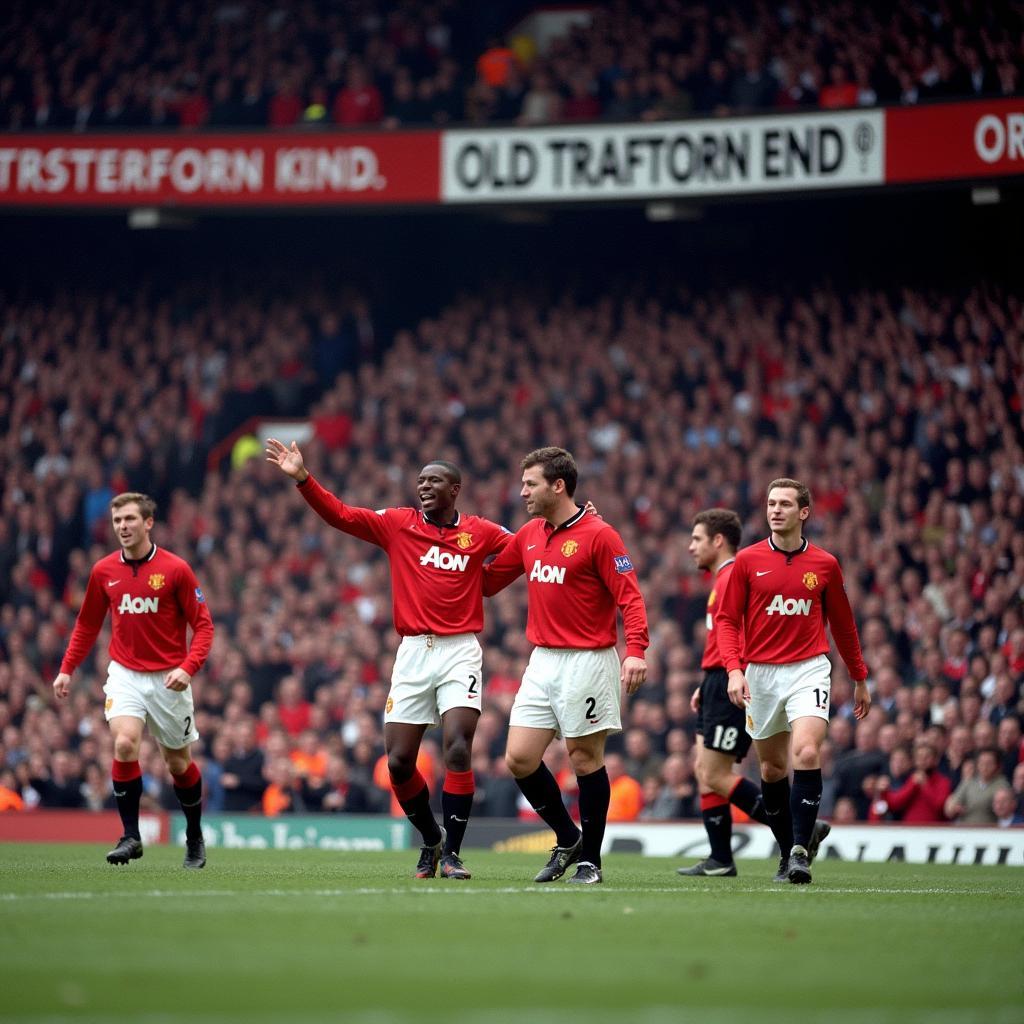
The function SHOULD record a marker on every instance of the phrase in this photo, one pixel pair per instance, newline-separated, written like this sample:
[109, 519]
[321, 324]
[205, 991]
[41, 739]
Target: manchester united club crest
[810, 580]
[464, 540]
[569, 548]
[108, 703]
[712, 598]
[156, 580]
[389, 705]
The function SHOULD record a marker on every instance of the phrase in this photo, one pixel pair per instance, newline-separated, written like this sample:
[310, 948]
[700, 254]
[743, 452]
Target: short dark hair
[453, 471]
[721, 521]
[147, 506]
[556, 464]
[803, 493]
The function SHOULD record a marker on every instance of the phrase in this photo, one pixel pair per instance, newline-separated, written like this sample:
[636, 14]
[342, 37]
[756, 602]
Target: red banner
[76, 827]
[959, 140]
[320, 168]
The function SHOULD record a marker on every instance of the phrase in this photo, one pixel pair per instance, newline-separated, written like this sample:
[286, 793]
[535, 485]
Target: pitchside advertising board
[914, 844]
[722, 156]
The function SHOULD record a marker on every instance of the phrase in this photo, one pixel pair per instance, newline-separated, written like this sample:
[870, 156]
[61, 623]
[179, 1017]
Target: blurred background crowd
[901, 407]
[244, 63]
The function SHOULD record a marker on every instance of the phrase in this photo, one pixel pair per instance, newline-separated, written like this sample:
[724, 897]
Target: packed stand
[903, 411]
[240, 63]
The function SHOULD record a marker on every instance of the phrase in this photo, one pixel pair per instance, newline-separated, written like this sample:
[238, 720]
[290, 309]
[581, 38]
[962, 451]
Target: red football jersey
[777, 603]
[151, 602]
[712, 655]
[436, 580]
[579, 573]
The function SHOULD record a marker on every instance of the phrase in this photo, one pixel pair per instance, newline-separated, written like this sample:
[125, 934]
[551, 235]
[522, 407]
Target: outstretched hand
[288, 460]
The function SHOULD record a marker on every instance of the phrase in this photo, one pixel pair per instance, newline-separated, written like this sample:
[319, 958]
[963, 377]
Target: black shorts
[719, 721]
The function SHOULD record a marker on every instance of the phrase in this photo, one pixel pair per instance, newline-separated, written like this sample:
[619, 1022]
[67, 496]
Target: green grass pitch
[311, 936]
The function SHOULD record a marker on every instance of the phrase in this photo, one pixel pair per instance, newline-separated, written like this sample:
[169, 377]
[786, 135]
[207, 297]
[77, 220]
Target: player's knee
[584, 762]
[401, 765]
[457, 754]
[718, 782]
[125, 748]
[520, 764]
[177, 763]
[772, 771]
[806, 755]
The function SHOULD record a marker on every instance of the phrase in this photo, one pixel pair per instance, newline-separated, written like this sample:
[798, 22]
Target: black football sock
[544, 796]
[714, 809]
[127, 778]
[456, 807]
[777, 810]
[747, 797]
[805, 801]
[414, 797]
[595, 795]
[188, 787]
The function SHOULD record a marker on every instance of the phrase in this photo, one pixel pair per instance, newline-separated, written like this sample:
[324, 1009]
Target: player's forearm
[79, 646]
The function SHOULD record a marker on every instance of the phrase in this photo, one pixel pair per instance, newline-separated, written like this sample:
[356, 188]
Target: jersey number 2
[472, 686]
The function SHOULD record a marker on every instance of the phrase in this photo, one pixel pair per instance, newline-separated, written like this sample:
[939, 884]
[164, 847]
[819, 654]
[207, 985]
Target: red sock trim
[459, 782]
[708, 801]
[125, 771]
[408, 789]
[189, 777]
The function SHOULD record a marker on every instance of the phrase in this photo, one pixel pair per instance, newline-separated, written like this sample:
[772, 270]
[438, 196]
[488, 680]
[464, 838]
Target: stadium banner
[915, 844]
[43, 826]
[186, 170]
[982, 139]
[664, 159]
[941, 844]
[300, 832]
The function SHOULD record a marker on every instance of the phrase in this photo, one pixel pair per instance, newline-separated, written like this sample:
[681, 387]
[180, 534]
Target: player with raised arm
[782, 592]
[152, 597]
[436, 555]
[579, 574]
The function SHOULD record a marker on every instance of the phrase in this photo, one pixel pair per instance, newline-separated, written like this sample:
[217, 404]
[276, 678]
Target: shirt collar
[139, 561]
[442, 526]
[789, 554]
[571, 521]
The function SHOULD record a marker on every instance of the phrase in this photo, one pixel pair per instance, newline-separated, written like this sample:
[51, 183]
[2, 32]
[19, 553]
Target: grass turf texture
[311, 935]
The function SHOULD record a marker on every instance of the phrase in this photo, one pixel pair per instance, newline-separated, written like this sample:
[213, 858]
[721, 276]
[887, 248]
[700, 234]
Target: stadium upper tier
[115, 66]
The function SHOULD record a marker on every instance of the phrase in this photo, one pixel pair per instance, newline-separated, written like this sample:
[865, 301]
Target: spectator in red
[840, 91]
[292, 706]
[495, 64]
[332, 426]
[193, 109]
[921, 799]
[582, 103]
[359, 102]
[286, 106]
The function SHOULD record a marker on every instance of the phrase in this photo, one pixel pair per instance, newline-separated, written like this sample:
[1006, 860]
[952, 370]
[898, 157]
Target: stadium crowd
[902, 410]
[242, 63]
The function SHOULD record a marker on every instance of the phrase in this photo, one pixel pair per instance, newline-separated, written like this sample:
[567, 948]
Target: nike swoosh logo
[119, 794]
[451, 817]
[113, 583]
[530, 547]
[765, 573]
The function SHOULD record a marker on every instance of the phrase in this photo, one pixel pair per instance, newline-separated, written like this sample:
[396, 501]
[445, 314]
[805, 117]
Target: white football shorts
[780, 694]
[434, 674]
[170, 714]
[574, 692]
